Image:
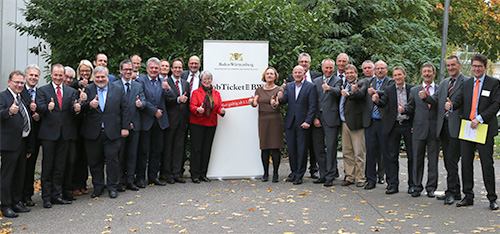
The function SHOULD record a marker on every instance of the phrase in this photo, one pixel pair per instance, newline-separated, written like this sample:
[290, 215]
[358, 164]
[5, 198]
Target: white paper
[469, 133]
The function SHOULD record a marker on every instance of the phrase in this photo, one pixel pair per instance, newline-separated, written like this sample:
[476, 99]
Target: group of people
[124, 129]
[372, 115]
[132, 127]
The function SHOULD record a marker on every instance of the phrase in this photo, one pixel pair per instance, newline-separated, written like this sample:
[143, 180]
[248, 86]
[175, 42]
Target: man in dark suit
[164, 69]
[14, 145]
[102, 60]
[396, 124]
[129, 146]
[375, 140]
[29, 95]
[154, 122]
[448, 127]
[304, 60]
[353, 135]
[178, 116]
[424, 132]
[192, 76]
[326, 123]
[342, 62]
[57, 105]
[479, 97]
[106, 120]
[301, 98]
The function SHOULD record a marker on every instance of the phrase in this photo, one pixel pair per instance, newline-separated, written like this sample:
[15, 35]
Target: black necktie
[26, 126]
[128, 89]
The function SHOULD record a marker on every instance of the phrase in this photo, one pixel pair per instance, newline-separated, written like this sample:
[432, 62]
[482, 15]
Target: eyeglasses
[18, 82]
[477, 66]
[127, 69]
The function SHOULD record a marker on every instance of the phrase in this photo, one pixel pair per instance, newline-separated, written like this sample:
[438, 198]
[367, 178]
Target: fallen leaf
[183, 230]
[133, 230]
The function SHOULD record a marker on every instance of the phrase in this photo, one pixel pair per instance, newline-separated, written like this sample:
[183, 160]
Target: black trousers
[80, 169]
[53, 165]
[69, 171]
[451, 154]
[12, 172]
[391, 159]
[29, 174]
[327, 160]
[103, 151]
[127, 158]
[150, 152]
[202, 138]
[173, 152]
[376, 147]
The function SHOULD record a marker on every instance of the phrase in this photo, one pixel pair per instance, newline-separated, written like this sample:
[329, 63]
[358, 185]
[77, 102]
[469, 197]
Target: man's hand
[183, 98]
[371, 90]
[124, 133]
[375, 98]
[448, 104]
[317, 123]
[344, 92]
[36, 116]
[474, 123]
[325, 86]
[33, 105]
[51, 104]
[165, 85]
[138, 102]
[305, 125]
[354, 88]
[159, 113]
[14, 108]
[77, 106]
[283, 86]
[422, 94]
[94, 103]
[83, 95]
[401, 108]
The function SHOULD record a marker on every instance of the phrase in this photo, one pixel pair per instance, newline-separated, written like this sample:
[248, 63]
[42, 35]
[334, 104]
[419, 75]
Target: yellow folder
[477, 135]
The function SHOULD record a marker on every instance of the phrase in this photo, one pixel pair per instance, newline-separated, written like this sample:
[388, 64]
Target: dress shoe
[265, 178]
[320, 181]
[315, 175]
[346, 183]
[61, 201]
[84, 191]
[163, 177]
[298, 181]
[493, 205]
[47, 204]
[369, 186]
[448, 200]
[9, 213]
[68, 196]
[328, 183]
[415, 194]
[381, 181]
[276, 178]
[140, 184]
[132, 186]
[411, 190]
[205, 179]
[170, 181]
[442, 197]
[77, 192]
[179, 180]
[20, 208]
[196, 180]
[290, 179]
[465, 202]
[392, 190]
[360, 184]
[113, 194]
[120, 188]
[430, 194]
[96, 193]
[29, 202]
[157, 182]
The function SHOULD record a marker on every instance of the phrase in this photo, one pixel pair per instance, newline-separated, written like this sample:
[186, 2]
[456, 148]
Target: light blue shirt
[298, 88]
[377, 116]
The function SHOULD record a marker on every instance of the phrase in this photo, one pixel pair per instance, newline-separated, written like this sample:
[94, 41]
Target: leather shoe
[360, 184]
[76, 192]
[170, 181]
[179, 180]
[140, 184]
[84, 191]
[442, 197]
[411, 190]
[328, 183]
[29, 202]
[265, 178]
[132, 186]
[290, 179]
[392, 190]
[157, 182]
[113, 194]
[163, 177]
[276, 178]
[196, 180]
[298, 181]
[120, 188]
[493, 205]
[320, 181]
[381, 181]
[369, 186]
[61, 201]
[47, 204]
[205, 179]
[9, 213]
[19, 208]
[431, 194]
[448, 200]
[314, 175]
[465, 202]
[415, 194]
[346, 183]
[96, 193]
[68, 196]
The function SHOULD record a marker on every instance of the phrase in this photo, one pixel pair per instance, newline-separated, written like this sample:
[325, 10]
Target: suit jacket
[155, 99]
[389, 102]
[134, 111]
[11, 132]
[353, 107]
[300, 110]
[424, 118]
[439, 99]
[178, 113]
[115, 115]
[58, 122]
[488, 104]
[327, 108]
[35, 125]
[368, 108]
[314, 75]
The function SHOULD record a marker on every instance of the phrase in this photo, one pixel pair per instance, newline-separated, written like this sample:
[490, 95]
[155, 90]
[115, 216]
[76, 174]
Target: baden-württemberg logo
[236, 57]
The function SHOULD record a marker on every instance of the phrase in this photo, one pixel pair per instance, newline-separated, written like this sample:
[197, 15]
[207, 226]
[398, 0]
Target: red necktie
[191, 83]
[428, 93]
[474, 100]
[177, 86]
[305, 77]
[59, 97]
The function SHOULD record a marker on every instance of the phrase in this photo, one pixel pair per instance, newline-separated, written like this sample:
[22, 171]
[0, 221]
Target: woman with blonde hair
[84, 74]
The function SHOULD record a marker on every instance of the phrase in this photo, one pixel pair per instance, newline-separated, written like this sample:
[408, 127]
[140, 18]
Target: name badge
[485, 93]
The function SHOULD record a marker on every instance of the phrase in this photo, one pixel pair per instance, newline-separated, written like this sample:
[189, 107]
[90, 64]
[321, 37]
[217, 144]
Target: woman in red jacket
[204, 106]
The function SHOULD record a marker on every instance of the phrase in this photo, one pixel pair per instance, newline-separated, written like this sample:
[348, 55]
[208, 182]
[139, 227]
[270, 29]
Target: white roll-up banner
[237, 68]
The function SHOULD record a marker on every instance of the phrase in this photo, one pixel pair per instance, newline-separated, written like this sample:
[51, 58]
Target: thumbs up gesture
[325, 86]
[200, 109]
[448, 104]
[371, 90]
[84, 82]
[354, 88]
[14, 108]
[250, 101]
[422, 94]
[344, 92]
[401, 108]
[183, 98]
[274, 101]
[33, 105]
[222, 111]
[77, 106]
[283, 86]
[83, 95]
[138, 102]
[94, 103]
[51, 104]
[375, 97]
[165, 85]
